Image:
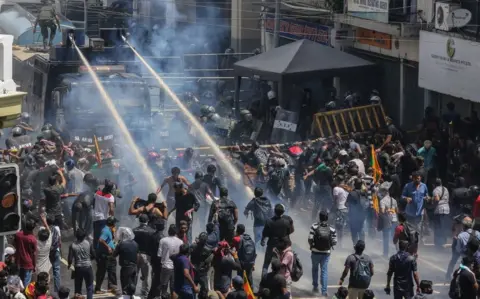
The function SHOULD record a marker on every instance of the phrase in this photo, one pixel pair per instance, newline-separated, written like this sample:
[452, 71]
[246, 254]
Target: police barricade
[345, 121]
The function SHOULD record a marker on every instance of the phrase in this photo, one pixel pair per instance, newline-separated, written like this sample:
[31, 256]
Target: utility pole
[276, 30]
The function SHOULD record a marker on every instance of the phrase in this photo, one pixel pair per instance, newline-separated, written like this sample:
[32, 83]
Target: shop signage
[297, 29]
[449, 65]
[374, 38]
[376, 10]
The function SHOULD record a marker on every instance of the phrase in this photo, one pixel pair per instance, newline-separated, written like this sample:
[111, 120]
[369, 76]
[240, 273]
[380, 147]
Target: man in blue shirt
[414, 193]
[184, 285]
[106, 262]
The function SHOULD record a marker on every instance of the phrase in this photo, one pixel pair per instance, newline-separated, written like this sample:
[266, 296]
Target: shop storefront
[449, 70]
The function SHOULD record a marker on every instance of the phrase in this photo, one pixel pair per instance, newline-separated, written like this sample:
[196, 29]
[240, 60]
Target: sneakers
[315, 290]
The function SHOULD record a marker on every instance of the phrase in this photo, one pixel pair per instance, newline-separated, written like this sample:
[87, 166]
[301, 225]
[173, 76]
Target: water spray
[216, 149]
[123, 128]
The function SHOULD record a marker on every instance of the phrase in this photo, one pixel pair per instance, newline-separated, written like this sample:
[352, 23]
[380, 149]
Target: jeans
[106, 264]
[258, 230]
[55, 260]
[357, 231]
[97, 230]
[143, 269]
[201, 278]
[388, 233]
[267, 260]
[84, 274]
[440, 224]
[128, 279]
[453, 260]
[25, 276]
[320, 259]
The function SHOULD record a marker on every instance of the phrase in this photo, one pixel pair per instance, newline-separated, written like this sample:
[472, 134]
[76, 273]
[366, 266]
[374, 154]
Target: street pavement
[432, 263]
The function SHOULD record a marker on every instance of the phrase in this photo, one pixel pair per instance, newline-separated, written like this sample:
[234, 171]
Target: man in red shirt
[400, 234]
[26, 248]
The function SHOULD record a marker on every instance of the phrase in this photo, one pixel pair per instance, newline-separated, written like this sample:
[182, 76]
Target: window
[38, 84]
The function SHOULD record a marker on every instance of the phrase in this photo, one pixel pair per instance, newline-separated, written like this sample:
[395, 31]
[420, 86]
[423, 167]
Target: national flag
[246, 287]
[377, 171]
[377, 174]
[97, 152]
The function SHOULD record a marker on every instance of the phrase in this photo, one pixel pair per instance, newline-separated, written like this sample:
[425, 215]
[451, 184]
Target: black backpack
[362, 274]
[277, 179]
[454, 291]
[473, 243]
[322, 238]
[224, 212]
[410, 233]
[246, 250]
[297, 268]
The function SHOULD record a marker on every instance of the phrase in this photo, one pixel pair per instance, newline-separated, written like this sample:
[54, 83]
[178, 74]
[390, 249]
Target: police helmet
[229, 51]
[47, 127]
[214, 117]
[256, 51]
[17, 131]
[330, 105]
[25, 117]
[474, 191]
[204, 109]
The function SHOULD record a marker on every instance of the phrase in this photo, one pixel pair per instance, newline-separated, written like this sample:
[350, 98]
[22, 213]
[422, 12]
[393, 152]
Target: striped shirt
[311, 237]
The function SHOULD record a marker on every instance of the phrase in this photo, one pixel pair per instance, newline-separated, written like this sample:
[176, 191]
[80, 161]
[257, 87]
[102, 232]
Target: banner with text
[376, 10]
[449, 65]
[297, 29]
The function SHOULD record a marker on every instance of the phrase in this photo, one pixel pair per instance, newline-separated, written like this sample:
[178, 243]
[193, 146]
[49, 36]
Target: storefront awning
[300, 60]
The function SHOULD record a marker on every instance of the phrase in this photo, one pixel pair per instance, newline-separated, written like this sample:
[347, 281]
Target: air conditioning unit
[443, 17]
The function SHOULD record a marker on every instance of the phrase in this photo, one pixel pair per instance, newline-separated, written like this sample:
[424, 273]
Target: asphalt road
[432, 263]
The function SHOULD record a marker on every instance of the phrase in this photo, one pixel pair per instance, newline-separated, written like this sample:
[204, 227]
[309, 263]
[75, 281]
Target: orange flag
[97, 152]
[377, 174]
[246, 287]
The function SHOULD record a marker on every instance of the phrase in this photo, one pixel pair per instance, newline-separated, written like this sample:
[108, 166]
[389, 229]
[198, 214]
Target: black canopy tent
[296, 62]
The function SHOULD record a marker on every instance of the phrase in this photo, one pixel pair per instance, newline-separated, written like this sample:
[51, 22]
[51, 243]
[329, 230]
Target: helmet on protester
[17, 131]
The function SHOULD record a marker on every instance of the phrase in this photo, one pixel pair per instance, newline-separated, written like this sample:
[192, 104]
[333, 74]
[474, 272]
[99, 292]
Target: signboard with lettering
[376, 10]
[374, 38]
[297, 29]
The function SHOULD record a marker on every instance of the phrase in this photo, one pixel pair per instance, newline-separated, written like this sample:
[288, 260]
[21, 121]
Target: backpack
[473, 243]
[410, 233]
[246, 250]
[297, 269]
[224, 213]
[454, 291]
[361, 274]
[277, 179]
[322, 238]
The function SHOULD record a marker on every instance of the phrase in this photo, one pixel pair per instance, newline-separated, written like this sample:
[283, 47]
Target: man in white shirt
[168, 246]
[104, 207]
[339, 200]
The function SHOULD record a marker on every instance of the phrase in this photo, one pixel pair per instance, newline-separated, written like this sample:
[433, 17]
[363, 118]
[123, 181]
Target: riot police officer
[243, 129]
[47, 18]
[18, 139]
[48, 133]
[25, 122]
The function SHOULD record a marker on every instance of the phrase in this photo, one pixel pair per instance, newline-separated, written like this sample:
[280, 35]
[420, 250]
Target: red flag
[97, 152]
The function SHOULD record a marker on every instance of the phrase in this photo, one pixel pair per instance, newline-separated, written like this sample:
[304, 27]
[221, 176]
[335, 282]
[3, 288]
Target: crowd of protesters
[405, 189]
